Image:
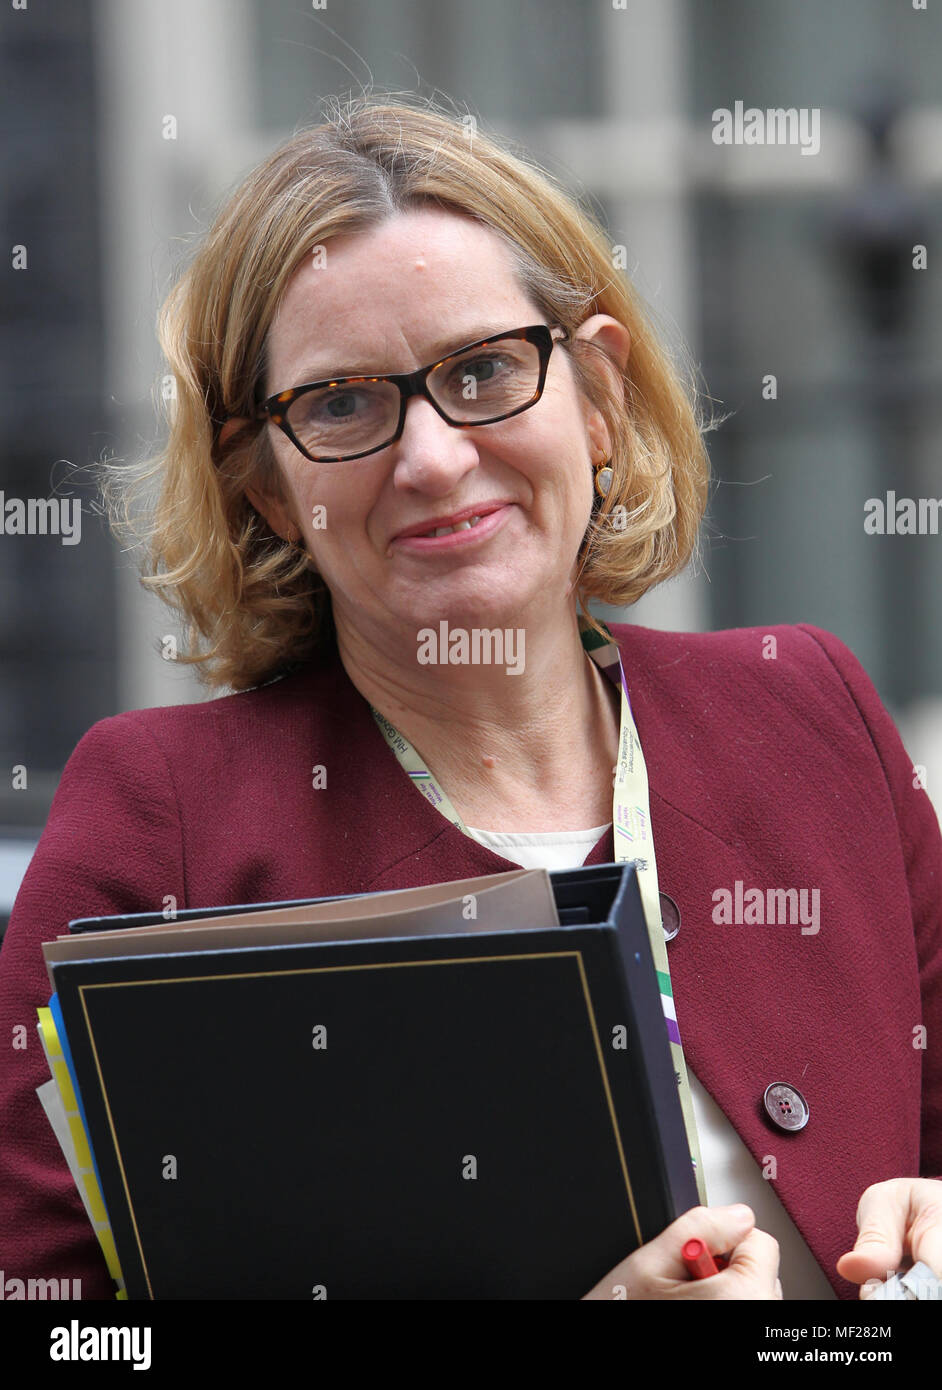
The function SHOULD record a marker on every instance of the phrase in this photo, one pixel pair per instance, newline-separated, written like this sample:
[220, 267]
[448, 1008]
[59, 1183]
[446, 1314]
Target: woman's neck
[531, 750]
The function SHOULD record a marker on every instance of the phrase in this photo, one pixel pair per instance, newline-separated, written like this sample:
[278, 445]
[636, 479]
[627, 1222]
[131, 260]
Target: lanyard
[631, 820]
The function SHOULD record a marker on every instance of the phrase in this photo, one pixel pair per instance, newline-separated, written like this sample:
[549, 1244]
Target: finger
[750, 1274]
[778, 1289]
[720, 1228]
[925, 1232]
[754, 1264]
[881, 1222]
[658, 1266]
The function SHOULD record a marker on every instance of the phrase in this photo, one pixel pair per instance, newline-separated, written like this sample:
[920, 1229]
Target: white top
[730, 1172]
[541, 849]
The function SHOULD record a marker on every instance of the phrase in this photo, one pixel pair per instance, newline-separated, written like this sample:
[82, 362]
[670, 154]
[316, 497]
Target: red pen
[700, 1263]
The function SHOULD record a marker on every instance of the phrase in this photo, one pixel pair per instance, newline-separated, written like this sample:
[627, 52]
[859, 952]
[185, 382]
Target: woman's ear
[231, 427]
[276, 512]
[613, 338]
[273, 508]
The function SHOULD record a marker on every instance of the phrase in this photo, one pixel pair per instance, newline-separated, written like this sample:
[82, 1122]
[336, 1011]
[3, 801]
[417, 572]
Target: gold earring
[604, 476]
[295, 544]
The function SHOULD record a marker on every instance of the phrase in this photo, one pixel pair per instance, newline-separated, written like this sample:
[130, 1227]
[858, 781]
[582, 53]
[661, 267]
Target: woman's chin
[478, 612]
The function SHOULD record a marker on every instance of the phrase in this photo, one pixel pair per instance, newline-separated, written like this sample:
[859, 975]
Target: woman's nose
[431, 453]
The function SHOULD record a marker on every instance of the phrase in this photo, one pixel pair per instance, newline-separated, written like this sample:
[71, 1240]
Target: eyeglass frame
[410, 384]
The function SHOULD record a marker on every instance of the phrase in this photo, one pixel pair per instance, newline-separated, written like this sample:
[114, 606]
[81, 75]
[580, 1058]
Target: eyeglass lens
[473, 387]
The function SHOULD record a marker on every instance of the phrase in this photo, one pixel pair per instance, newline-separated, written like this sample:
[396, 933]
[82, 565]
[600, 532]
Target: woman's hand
[658, 1271]
[900, 1222]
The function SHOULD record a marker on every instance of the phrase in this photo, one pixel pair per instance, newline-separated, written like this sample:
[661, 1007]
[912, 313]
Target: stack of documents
[458, 1091]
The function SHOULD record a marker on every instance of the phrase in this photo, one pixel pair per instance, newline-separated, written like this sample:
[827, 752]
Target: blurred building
[791, 278]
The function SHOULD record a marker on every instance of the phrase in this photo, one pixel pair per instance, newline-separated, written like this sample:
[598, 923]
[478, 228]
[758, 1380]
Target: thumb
[879, 1245]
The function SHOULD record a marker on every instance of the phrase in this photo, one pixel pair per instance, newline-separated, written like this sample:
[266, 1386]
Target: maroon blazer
[776, 773]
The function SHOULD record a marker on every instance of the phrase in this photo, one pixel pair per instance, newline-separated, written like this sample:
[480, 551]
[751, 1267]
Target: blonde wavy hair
[250, 603]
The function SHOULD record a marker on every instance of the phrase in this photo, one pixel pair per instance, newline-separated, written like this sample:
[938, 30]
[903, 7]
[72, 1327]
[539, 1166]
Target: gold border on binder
[334, 969]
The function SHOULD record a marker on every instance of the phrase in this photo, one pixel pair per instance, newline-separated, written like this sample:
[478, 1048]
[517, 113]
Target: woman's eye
[340, 407]
[332, 407]
[484, 367]
[480, 369]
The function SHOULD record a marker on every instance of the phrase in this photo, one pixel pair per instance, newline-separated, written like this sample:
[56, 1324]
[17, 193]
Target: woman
[415, 402]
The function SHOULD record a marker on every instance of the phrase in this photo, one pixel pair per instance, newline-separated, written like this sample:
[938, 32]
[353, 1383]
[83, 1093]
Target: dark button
[670, 916]
[786, 1106]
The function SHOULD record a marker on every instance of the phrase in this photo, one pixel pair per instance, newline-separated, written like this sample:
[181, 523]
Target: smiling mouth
[447, 530]
[445, 535]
